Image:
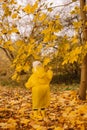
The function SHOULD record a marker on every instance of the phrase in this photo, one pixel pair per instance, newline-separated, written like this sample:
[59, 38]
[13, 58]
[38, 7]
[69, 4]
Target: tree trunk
[83, 84]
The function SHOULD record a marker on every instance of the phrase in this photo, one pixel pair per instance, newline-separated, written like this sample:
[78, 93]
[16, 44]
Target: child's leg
[43, 112]
[35, 112]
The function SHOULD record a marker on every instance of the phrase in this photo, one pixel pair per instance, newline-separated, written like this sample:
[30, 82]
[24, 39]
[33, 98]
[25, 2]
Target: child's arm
[28, 84]
[49, 75]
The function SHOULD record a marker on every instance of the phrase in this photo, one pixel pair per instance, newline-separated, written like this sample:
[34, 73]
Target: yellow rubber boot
[36, 115]
[43, 113]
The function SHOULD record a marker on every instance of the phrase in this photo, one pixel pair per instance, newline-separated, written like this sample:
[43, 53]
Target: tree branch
[57, 6]
[10, 58]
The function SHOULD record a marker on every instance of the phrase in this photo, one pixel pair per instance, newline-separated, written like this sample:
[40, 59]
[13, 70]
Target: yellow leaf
[45, 22]
[4, 31]
[76, 10]
[14, 30]
[74, 40]
[42, 17]
[53, 37]
[36, 56]
[46, 31]
[57, 17]
[19, 43]
[12, 2]
[32, 40]
[26, 68]
[36, 127]
[47, 38]
[50, 9]
[21, 111]
[39, 48]
[14, 15]
[34, 7]
[82, 127]
[18, 68]
[31, 9]
[46, 61]
[27, 9]
[11, 124]
[18, 78]
[4, 6]
[58, 128]
[77, 24]
[11, 48]
[11, 120]
[24, 121]
[8, 43]
[14, 76]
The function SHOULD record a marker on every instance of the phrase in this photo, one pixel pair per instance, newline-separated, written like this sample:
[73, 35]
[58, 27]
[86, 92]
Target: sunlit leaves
[13, 2]
[58, 128]
[73, 55]
[14, 77]
[76, 10]
[46, 61]
[77, 25]
[18, 68]
[25, 121]
[46, 31]
[19, 43]
[14, 30]
[4, 31]
[50, 9]
[11, 123]
[26, 67]
[31, 9]
[6, 9]
[74, 40]
[8, 45]
[27, 9]
[42, 17]
[35, 6]
[42, 36]
[14, 15]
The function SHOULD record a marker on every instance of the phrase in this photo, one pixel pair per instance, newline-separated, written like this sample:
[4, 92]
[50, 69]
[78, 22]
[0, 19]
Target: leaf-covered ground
[66, 112]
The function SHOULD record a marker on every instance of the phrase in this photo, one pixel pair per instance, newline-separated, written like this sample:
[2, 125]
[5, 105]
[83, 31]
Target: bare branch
[7, 54]
[57, 6]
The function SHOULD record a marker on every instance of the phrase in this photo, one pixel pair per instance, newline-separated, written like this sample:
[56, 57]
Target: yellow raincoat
[39, 82]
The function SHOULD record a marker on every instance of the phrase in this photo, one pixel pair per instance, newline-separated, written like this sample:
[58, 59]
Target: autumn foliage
[42, 36]
[66, 111]
[35, 32]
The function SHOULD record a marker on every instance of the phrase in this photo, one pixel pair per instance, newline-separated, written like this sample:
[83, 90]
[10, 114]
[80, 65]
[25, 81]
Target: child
[39, 82]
